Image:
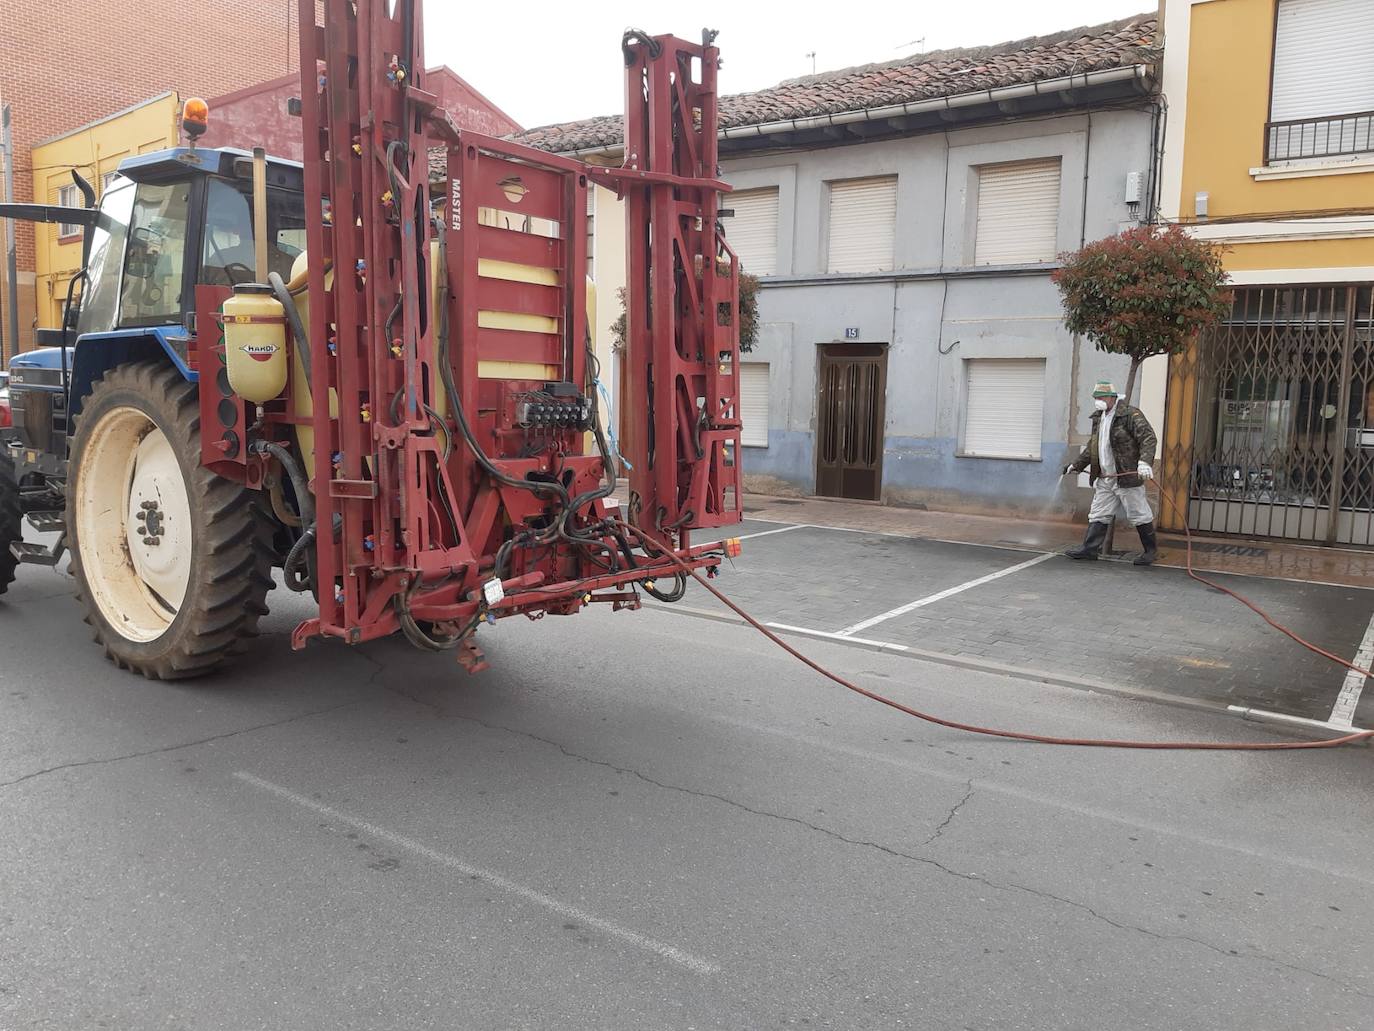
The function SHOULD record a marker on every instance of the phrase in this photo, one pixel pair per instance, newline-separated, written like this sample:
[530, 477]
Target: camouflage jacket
[1133, 441]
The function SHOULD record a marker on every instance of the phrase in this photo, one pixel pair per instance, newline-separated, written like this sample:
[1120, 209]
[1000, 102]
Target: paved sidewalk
[1343, 567]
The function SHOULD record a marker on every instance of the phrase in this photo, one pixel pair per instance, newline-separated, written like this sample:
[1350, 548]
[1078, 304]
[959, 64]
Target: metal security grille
[1283, 437]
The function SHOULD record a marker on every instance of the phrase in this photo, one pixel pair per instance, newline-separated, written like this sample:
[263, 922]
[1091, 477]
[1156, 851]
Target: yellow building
[1269, 153]
[94, 151]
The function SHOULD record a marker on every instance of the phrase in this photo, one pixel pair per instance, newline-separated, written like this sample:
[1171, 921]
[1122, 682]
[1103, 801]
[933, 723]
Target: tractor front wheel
[171, 561]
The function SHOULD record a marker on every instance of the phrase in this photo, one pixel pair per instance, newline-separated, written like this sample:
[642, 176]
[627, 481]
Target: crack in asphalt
[1006, 886]
[177, 747]
[949, 818]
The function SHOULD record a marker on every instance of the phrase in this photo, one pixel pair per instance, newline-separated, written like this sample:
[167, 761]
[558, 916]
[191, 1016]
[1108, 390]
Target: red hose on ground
[1081, 742]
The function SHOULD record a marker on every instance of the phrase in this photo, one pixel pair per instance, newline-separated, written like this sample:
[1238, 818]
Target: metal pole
[11, 273]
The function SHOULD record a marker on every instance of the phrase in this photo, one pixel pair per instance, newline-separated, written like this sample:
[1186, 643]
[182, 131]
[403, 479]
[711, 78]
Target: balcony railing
[1335, 136]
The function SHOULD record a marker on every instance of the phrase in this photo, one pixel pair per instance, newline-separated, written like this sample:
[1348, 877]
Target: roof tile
[943, 73]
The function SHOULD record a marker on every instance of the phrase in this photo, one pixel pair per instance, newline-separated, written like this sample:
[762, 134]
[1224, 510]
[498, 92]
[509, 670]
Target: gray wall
[936, 299]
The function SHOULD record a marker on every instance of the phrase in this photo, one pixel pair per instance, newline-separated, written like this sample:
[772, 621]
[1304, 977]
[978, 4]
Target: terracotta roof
[941, 73]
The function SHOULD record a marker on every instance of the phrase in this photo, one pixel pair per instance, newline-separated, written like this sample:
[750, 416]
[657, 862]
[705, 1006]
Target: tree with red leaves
[1145, 291]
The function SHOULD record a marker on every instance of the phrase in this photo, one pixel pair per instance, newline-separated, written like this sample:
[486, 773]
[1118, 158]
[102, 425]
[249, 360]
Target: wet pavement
[1351, 567]
[1150, 631]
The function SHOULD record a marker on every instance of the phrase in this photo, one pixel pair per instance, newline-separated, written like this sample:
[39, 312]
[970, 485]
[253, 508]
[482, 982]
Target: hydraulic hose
[305, 504]
[293, 318]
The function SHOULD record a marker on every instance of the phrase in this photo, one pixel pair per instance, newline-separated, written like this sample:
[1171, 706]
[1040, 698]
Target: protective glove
[1144, 470]
[1067, 470]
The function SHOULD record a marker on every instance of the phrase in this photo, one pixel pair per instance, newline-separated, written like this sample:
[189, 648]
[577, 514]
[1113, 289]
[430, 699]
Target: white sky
[545, 61]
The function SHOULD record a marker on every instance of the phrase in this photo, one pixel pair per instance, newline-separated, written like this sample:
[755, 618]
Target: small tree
[748, 314]
[1146, 291]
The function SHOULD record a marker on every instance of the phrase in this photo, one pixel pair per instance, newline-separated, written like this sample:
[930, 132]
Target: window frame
[829, 239]
[730, 201]
[68, 232]
[976, 173]
[1269, 122]
[965, 408]
[190, 265]
[768, 401]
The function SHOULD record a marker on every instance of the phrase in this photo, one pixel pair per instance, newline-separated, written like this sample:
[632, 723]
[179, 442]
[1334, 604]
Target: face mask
[1100, 405]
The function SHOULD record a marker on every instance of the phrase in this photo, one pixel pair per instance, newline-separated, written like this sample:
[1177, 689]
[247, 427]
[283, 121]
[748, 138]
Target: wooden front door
[850, 395]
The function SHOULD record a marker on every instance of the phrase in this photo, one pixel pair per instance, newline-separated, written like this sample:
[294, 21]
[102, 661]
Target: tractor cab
[168, 221]
[174, 219]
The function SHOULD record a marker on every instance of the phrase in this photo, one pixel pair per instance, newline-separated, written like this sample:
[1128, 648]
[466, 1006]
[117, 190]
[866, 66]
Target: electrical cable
[1016, 735]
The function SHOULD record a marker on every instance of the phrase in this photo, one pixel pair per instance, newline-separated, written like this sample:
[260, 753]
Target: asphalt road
[647, 820]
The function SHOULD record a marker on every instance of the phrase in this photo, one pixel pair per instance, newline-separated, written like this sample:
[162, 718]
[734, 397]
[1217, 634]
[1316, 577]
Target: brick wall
[112, 54]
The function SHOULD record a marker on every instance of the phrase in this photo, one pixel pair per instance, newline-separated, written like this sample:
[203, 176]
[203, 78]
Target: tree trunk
[1109, 545]
[1130, 381]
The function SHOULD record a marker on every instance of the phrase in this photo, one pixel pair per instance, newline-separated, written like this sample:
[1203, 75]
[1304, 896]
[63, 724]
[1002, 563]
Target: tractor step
[48, 522]
[39, 554]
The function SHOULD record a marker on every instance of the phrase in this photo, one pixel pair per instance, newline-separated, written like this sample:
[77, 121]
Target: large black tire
[11, 519]
[225, 580]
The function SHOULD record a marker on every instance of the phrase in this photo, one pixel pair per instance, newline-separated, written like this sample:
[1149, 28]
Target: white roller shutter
[753, 403]
[1322, 60]
[1018, 212]
[863, 224]
[1006, 407]
[753, 232]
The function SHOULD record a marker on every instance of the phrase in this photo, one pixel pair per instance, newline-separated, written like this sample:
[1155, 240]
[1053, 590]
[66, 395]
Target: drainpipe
[11, 340]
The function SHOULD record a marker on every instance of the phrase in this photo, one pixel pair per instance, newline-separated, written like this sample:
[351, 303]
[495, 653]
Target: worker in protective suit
[1119, 456]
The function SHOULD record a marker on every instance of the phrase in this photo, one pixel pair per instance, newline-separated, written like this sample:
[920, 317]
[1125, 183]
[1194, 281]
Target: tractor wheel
[11, 520]
[172, 562]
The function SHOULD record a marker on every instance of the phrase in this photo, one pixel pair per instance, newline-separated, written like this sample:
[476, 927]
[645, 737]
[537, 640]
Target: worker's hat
[1104, 388]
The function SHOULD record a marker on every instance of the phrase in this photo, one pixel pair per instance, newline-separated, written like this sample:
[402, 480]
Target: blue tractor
[107, 418]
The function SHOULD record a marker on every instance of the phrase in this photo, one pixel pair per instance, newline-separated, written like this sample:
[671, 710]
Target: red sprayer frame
[450, 483]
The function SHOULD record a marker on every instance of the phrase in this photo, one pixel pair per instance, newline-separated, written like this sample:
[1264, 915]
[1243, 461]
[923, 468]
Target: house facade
[1270, 155]
[904, 220]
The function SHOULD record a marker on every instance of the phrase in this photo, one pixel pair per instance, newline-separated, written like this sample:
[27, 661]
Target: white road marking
[912, 606]
[666, 951]
[837, 637]
[780, 529]
[1343, 712]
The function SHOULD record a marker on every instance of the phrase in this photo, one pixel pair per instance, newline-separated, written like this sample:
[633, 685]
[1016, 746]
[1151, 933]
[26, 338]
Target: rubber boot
[1149, 543]
[1092, 542]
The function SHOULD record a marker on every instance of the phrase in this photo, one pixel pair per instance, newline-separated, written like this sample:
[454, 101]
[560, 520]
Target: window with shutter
[1322, 71]
[68, 197]
[753, 232]
[863, 223]
[1018, 212]
[1005, 407]
[753, 403]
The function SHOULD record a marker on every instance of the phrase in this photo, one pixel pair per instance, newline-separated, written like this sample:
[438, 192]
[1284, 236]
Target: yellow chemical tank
[255, 343]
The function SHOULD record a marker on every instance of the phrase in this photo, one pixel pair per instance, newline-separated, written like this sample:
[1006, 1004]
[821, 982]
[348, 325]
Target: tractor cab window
[108, 237]
[227, 252]
[155, 255]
